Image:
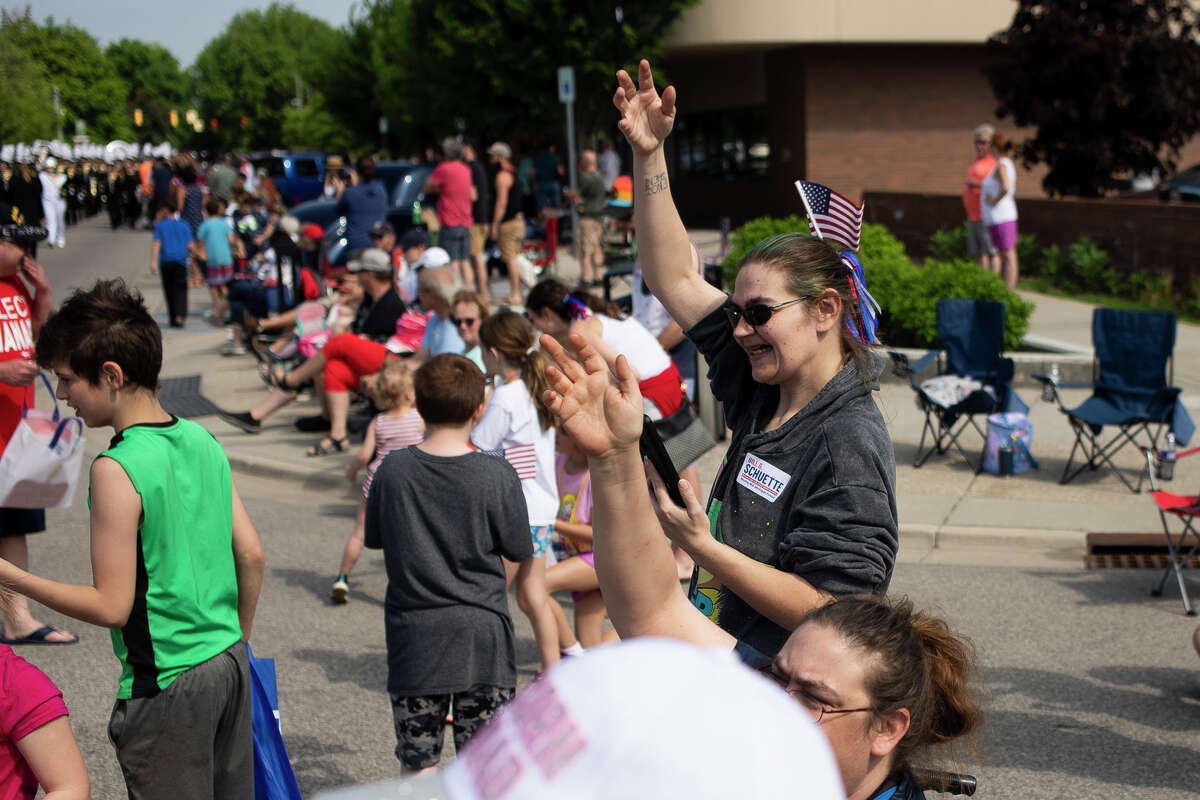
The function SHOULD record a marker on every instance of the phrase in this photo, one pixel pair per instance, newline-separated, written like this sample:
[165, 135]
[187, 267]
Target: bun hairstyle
[1002, 144]
[566, 303]
[917, 663]
[513, 337]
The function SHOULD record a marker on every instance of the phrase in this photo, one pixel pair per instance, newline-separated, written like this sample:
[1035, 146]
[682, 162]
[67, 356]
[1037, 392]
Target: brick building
[857, 94]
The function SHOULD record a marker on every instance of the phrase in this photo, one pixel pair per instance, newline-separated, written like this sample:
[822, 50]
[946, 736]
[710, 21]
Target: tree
[255, 69]
[492, 63]
[70, 59]
[1112, 88]
[25, 95]
[156, 86]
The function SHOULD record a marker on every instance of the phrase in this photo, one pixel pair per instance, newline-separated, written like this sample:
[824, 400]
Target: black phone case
[652, 447]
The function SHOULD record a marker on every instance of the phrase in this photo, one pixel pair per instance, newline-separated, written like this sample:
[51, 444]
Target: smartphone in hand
[652, 447]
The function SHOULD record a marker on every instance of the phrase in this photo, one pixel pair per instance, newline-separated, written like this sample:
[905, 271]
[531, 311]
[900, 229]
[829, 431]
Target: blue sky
[183, 27]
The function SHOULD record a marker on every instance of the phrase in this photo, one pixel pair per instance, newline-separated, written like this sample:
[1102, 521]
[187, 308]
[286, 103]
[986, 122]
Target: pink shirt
[453, 179]
[28, 700]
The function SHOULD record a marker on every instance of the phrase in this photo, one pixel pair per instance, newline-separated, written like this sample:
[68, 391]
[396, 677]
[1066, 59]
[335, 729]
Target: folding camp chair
[971, 333]
[1131, 390]
[1185, 508]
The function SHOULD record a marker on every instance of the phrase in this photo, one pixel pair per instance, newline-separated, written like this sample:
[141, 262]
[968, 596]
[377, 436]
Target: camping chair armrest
[1062, 384]
[911, 369]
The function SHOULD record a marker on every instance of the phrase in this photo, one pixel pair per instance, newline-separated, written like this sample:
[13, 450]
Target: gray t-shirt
[443, 524]
[815, 497]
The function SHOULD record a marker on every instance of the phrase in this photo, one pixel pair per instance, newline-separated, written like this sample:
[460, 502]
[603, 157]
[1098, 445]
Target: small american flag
[523, 458]
[833, 217]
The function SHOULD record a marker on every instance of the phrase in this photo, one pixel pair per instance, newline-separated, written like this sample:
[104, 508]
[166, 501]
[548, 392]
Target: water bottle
[416, 212]
[1048, 388]
[1006, 458]
[1166, 459]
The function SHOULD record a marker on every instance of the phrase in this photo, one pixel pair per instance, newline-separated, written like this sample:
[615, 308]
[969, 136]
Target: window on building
[730, 143]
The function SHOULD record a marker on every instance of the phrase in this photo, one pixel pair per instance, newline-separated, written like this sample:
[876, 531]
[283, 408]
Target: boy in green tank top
[176, 563]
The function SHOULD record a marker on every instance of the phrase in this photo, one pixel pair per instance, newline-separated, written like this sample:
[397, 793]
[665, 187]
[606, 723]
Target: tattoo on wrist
[656, 183]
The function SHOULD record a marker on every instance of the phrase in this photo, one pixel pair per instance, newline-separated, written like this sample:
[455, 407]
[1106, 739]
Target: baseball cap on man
[622, 722]
[433, 257]
[382, 228]
[371, 260]
[14, 227]
[500, 150]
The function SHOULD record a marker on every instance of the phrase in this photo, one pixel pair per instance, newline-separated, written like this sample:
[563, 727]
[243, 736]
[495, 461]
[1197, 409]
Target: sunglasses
[460, 321]
[757, 314]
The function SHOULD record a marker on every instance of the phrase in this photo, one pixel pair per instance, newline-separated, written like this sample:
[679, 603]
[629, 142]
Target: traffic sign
[566, 84]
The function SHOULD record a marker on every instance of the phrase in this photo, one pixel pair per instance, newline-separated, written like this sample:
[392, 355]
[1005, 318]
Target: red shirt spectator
[453, 180]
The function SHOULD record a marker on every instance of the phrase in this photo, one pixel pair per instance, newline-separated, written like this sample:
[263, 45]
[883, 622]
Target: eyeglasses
[983, 141]
[460, 321]
[812, 705]
[757, 314]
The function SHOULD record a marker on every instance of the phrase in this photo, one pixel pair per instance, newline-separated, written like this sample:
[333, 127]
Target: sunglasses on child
[757, 314]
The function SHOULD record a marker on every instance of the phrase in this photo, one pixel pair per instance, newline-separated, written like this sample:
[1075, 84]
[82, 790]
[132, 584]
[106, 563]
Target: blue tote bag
[273, 776]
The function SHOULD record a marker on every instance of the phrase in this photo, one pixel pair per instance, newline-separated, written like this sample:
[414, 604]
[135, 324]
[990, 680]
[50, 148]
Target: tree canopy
[70, 60]
[255, 69]
[154, 83]
[1111, 88]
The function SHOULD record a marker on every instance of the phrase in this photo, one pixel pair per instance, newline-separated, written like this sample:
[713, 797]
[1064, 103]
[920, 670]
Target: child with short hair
[519, 426]
[169, 255]
[446, 516]
[218, 244]
[176, 563]
[398, 426]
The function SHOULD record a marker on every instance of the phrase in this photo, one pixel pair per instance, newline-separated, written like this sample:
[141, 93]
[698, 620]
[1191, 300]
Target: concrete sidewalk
[943, 507]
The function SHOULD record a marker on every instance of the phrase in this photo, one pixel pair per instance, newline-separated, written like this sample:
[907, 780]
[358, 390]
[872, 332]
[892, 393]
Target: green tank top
[185, 601]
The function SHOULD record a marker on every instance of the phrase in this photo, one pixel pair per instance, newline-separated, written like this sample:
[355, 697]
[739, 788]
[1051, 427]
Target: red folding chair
[544, 253]
[1185, 508]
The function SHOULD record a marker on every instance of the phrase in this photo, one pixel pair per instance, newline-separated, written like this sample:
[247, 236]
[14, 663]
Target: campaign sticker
[761, 478]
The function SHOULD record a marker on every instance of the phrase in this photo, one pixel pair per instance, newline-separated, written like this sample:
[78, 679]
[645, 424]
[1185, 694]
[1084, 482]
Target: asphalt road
[1091, 687]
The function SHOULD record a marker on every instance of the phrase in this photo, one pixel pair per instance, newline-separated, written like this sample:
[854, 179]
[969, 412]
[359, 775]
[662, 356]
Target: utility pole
[57, 112]
[566, 95]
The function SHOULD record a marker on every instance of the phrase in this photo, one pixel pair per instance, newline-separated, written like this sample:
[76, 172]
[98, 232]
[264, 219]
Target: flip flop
[38, 637]
[275, 376]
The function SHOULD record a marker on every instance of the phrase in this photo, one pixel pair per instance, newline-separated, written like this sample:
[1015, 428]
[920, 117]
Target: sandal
[334, 446]
[275, 376]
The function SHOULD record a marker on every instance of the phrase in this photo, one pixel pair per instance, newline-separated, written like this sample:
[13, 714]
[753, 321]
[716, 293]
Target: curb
[930, 537]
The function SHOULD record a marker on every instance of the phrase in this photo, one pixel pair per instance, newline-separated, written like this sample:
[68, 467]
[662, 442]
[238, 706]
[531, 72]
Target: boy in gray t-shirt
[445, 515]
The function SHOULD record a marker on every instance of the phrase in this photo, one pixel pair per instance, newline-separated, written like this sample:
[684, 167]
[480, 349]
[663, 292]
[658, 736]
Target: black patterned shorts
[421, 720]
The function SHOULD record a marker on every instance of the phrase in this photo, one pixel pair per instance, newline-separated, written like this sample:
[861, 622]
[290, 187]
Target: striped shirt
[392, 433]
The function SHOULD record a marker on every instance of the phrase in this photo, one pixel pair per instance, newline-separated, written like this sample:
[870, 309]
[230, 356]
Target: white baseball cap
[646, 718]
[432, 257]
[371, 260]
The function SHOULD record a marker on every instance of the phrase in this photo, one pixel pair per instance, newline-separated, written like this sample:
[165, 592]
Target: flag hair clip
[863, 317]
[576, 309]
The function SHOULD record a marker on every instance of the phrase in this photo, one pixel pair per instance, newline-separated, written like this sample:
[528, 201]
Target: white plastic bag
[41, 464]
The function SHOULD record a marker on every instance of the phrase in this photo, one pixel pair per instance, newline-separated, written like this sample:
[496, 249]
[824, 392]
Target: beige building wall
[715, 24]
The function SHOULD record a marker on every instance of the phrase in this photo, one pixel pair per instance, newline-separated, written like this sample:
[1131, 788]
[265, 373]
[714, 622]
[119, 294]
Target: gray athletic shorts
[421, 720]
[456, 240]
[978, 241]
[191, 741]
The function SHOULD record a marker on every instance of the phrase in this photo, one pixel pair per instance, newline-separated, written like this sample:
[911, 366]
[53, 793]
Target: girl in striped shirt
[398, 426]
[519, 425]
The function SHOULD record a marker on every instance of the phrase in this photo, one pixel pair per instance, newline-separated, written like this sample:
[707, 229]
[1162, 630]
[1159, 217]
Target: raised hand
[600, 416]
[36, 275]
[646, 118]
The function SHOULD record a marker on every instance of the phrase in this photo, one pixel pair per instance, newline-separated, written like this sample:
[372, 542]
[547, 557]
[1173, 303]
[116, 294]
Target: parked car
[297, 176]
[405, 184]
[1184, 186]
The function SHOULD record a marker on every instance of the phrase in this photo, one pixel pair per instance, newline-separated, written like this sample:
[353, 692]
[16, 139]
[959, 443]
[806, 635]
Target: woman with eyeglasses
[883, 682]
[804, 508]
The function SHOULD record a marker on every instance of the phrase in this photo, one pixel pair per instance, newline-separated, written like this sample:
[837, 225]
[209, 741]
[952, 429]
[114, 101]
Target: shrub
[1029, 253]
[1150, 289]
[946, 245]
[1090, 266]
[742, 240]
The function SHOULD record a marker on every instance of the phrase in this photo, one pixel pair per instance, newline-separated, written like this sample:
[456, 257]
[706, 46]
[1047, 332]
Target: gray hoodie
[816, 496]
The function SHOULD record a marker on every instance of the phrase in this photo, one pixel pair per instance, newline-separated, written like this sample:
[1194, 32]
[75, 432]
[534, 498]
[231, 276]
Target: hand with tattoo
[646, 118]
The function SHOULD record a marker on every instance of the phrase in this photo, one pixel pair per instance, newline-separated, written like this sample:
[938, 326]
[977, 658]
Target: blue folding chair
[971, 334]
[1131, 391]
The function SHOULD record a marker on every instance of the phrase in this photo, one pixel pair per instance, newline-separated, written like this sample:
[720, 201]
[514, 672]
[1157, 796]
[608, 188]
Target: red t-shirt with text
[16, 341]
[453, 179]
